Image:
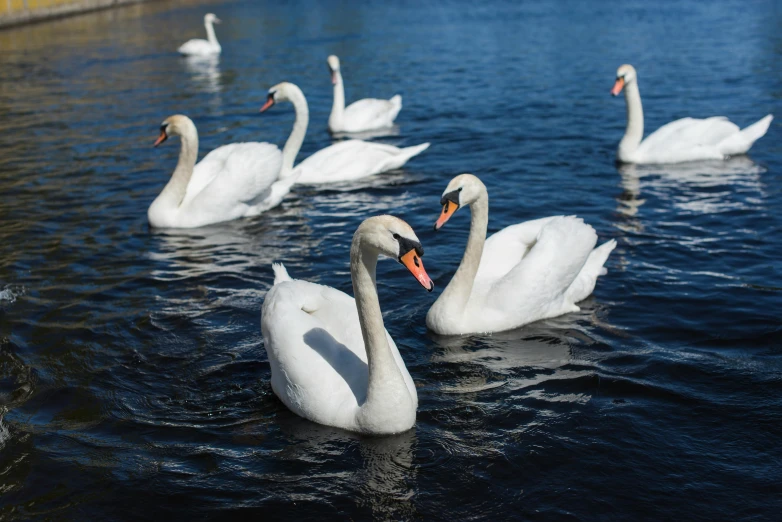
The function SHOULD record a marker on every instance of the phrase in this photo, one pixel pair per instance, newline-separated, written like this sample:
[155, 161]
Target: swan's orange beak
[269, 103]
[414, 263]
[449, 207]
[617, 88]
[160, 139]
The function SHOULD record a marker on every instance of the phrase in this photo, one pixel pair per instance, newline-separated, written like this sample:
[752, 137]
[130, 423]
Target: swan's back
[198, 46]
[353, 159]
[318, 360]
[235, 173]
[372, 113]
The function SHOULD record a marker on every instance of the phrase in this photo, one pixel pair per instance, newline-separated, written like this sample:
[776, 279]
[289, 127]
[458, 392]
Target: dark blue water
[133, 377]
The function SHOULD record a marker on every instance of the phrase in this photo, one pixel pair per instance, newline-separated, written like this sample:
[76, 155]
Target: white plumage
[361, 115]
[523, 273]
[686, 139]
[201, 47]
[232, 181]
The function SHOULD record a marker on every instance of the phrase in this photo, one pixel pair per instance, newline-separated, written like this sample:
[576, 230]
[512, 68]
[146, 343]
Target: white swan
[525, 272]
[332, 361]
[687, 139]
[344, 161]
[232, 181]
[200, 47]
[361, 115]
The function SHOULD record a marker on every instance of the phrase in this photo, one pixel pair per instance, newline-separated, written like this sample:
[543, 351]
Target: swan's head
[333, 62]
[464, 189]
[392, 237]
[176, 125]
[624, 75]
[210, 18]
[281, 92]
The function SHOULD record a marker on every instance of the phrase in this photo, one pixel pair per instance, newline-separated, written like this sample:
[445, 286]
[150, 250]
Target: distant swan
[687, 139]
[361, 115]
[232, 181]
[200, 47]
[344, 161]
[332, 360]
[523, 273]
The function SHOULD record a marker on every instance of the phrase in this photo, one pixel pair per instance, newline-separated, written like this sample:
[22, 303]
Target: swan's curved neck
[210, 33]
[292, 146]
[385, 383]
[457, 293]
[338, 106]
[635, 121]
[174, 192]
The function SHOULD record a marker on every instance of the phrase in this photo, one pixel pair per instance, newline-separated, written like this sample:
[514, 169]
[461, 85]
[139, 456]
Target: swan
[362, 115]
[332, 361]
[232, 181]
[525, 272]
[344, 161]
[687, 139]
[200, 47]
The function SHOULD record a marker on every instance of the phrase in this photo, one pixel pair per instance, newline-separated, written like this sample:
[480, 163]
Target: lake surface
[134, 383]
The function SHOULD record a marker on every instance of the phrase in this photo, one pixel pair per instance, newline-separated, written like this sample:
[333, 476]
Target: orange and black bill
[163, 136]
[450, 203]
[269, 102]
[618, 86]
[411, 258]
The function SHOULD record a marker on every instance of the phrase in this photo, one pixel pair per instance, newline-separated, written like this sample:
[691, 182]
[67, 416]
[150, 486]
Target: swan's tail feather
[280, 273]
[585, 283]
[741, 142]
[396, 104]
[409, 152]
[397, 160]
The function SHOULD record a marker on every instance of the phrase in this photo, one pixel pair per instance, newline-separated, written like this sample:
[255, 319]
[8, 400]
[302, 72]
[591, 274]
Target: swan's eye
[396, 236]
[460, 189]
[163, 127]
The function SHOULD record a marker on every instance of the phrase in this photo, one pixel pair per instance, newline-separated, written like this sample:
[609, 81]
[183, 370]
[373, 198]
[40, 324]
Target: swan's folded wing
[346, 160]
[371, 112]
[239, 172]
[687, 133]
[504, 249]
[543, 276]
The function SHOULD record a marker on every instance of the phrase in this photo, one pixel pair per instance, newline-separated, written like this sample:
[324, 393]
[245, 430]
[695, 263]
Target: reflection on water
[205, 74]
[384, 481]
[690, 185]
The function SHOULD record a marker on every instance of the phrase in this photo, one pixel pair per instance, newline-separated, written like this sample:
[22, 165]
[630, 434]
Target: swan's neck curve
[387, 394]
[457, 293]
[174, 192]
[210, 33]
[338, 106]
[634, 132]
[292, 146]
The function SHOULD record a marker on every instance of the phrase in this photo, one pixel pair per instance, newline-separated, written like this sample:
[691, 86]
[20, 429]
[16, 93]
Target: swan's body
[523, 273]
[687, 139]
[201, 47]
[232, 181]
[361, 115]
[332, 360]
[344, 161]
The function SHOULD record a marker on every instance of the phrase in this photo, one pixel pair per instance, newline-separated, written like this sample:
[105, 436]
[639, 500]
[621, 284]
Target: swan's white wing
[198, 46]
[352, 159]
[687, 138]
[316, 350]
[536, 286]
[371, 113]
[239, 172]
[504, 249]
